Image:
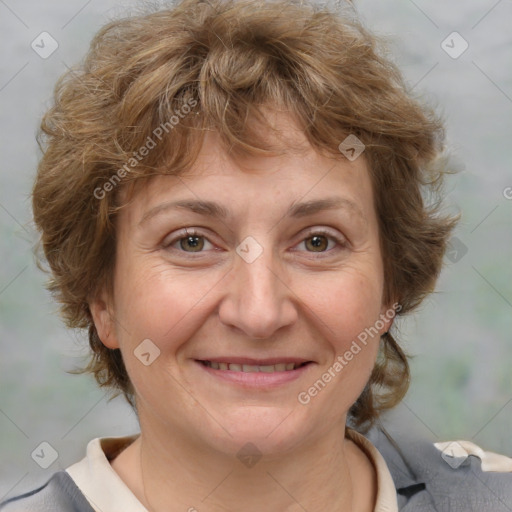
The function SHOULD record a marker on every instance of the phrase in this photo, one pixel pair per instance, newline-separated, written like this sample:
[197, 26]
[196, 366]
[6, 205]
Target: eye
[191, 241]
[321, 241]
[188, 240]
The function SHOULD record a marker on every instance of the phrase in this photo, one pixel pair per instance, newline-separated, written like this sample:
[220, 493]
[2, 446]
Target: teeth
[250, 368]
[271, 368]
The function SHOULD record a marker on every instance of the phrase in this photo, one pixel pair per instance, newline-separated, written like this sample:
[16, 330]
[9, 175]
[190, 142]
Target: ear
[387, 316]
[104, 320]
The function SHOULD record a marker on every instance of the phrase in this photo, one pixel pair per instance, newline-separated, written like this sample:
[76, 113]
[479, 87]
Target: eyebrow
[215, 210]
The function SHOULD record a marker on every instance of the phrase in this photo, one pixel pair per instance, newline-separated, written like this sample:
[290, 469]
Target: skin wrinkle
[277, 304]
[212, 209]
[145, 69]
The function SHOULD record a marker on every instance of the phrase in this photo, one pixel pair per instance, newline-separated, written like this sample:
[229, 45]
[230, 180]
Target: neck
[176, 473]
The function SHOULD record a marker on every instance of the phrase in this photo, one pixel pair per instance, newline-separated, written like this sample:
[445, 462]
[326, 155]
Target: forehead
[297, 172]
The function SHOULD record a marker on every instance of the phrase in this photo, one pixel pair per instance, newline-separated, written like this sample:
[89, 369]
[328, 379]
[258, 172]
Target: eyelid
[326, 232]
[341, 241]
[184, 233]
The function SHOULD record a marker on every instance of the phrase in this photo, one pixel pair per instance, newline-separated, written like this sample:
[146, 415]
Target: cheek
[346, 305]
[346, 311]
[161, 304]
[166, 309]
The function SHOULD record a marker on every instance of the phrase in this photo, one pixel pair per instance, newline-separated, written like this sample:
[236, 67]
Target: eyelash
[185, 233]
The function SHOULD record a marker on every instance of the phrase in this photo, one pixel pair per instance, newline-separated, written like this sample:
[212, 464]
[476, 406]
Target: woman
[231, 202]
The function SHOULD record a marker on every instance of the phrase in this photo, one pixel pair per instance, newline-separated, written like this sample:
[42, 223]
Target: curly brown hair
[229, 58]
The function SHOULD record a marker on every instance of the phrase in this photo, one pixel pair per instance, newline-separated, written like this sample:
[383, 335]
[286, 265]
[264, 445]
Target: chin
[268, 430]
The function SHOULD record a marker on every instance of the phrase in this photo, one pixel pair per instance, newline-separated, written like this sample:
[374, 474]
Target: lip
[252, 361]
[256, 380]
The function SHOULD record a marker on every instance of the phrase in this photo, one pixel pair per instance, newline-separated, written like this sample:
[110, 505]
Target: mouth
[248, 368]
[252, 373]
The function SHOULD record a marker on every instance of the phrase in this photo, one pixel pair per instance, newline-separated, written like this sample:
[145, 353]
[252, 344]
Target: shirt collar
[106, 492]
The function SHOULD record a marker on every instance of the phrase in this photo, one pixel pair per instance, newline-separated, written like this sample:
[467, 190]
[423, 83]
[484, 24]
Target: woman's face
[281, 264]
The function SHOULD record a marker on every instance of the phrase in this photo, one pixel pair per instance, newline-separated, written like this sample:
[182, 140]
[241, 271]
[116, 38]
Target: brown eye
[322, 242]
[193, 242]
[317, 243]
[188, 241]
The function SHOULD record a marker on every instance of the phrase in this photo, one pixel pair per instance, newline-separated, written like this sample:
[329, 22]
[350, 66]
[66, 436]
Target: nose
[259, 300]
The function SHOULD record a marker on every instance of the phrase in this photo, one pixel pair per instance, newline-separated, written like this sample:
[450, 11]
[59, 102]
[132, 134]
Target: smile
[246, 368]
[254, 374]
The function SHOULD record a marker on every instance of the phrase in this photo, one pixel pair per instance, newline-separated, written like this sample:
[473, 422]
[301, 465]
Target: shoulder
[454, 476]
[59, 493]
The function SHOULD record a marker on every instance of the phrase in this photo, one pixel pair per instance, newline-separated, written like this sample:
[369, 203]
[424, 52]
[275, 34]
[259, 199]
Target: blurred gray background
[460, 338]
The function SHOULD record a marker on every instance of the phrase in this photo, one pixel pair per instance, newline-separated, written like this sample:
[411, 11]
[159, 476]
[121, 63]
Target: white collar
[106, 492]
[98, 481]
